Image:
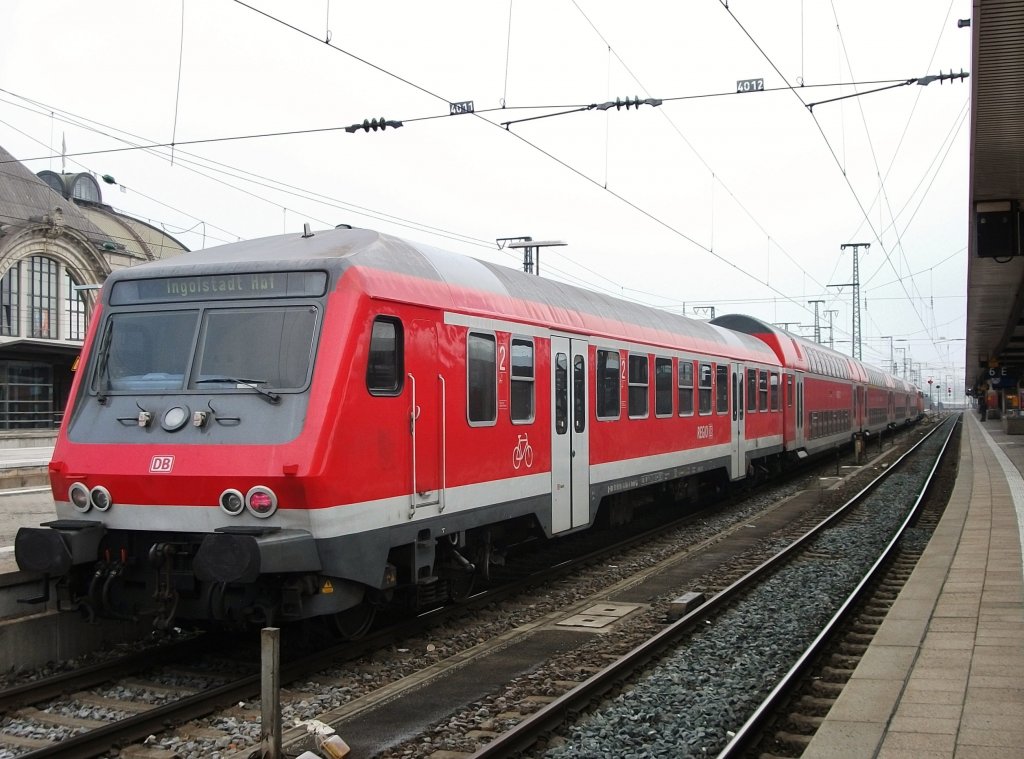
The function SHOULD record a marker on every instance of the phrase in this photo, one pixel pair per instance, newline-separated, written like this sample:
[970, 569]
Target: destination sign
[234, 286]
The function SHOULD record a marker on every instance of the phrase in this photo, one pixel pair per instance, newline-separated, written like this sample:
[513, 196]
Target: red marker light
[261, 502]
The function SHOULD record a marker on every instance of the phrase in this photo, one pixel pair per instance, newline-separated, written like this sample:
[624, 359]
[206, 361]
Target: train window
[607, 370]
[522, 384]
[579, 393]
[775, 390]
[685, 388]
[561, 394]
[789, 390]
[762, 390]
[384, 364]
[736, 385]
[704, 389]
[663, 386]
[272, 345]
[751, 389]
[639, 371]
[142, 352]
[722, 388]
[482, 378]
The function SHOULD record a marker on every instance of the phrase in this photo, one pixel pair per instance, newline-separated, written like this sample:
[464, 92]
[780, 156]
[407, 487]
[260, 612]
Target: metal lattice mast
[817, 320]
[855, 351]
[831, 318]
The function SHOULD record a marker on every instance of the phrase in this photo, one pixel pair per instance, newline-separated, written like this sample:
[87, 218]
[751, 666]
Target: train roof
[799, 352]
[394, 269]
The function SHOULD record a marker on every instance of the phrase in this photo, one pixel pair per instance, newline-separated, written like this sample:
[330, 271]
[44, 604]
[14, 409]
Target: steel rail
[156, 720]
[137, 727]
[526, 733]
[34, 691]
[750, 730]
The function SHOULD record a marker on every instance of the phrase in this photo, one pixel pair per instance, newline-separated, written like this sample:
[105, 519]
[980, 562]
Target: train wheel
[353, 623]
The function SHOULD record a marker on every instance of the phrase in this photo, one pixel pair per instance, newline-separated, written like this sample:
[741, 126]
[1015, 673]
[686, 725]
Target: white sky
[739, 202]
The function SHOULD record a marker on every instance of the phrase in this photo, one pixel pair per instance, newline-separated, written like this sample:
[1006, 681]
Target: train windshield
[210, 349]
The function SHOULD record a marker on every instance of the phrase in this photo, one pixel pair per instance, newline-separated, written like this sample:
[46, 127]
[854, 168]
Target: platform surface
[944, 675]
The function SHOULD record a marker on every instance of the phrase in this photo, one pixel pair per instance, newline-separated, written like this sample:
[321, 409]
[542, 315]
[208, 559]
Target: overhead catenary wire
[259, 180]
[510, 9]
[846, 178]
[621, 198]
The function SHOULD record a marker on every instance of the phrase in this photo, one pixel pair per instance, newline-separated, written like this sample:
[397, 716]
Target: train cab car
[323, 425]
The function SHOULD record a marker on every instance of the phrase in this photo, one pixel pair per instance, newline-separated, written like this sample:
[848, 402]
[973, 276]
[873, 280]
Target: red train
[318, 426]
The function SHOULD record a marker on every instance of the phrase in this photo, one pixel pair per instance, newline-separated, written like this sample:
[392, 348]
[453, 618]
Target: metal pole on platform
[270, 692]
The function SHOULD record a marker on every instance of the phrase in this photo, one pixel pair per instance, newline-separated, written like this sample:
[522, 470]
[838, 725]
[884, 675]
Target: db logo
[161, 464]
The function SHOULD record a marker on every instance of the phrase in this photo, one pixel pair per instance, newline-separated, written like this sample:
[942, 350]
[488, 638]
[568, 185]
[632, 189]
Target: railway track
[182, 703]
[701, 699]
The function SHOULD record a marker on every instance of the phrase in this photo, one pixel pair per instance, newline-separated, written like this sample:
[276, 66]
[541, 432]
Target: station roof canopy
[995, 284]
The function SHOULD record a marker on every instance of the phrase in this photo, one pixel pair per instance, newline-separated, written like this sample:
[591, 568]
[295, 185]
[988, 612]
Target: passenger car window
[663, 386]
[482, 377]
[722, 388]
[384, 364]
[607, 371]
[522, 381]
[704, 389]
[685, 388]
[639, 373]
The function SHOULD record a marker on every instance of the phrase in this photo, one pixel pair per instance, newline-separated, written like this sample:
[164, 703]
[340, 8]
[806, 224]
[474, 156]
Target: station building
[58, 243]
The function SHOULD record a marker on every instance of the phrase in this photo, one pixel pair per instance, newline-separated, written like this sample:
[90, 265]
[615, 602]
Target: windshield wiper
[269, 395]
[102, 370]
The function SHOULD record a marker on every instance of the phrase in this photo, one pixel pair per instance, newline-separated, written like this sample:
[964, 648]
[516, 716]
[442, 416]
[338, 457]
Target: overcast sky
[713, 199]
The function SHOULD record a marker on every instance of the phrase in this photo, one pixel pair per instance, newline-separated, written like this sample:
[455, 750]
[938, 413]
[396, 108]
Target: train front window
[271, 347]
[207, 350]
[141, 352]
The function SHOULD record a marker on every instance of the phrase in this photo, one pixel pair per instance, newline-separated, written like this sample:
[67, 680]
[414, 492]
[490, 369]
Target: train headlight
[175, 418]
[232, 502]
[78, 494]
[261, 501]
[100, 498]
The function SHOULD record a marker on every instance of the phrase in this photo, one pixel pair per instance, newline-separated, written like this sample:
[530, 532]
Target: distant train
[323, 425]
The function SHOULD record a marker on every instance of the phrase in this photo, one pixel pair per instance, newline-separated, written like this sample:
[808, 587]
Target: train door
[426, 389]
[789, 407]
[570, 443]
[738, 462]
[801, 432]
